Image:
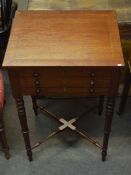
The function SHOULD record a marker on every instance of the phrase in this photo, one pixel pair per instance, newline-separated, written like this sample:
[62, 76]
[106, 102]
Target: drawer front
[65, 82]
[105, 73]
[66, 77]
[65, 92]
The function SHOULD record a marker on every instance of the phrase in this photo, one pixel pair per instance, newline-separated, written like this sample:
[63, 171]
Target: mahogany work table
[62, 54]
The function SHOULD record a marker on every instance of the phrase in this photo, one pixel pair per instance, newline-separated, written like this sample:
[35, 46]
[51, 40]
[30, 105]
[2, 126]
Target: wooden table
[62, 54]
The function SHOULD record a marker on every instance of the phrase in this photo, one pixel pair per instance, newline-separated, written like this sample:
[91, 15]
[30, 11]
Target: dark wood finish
[3, 139]
[65, 77]
[109, 112]
[107, 129]
[23, 121]
[74, 55]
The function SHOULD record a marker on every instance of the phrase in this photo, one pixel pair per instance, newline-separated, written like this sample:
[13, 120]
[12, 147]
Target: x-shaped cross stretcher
[65, 125]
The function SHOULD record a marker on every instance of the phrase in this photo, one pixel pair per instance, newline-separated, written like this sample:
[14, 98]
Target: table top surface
[64, 38]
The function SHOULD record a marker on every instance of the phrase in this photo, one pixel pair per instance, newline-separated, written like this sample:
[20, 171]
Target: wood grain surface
[64, 38]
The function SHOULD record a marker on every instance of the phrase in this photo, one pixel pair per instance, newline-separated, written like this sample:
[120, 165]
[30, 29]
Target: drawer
[104, 73]
[54, 82]
[66, 92]
[64, 82]
[66, 77]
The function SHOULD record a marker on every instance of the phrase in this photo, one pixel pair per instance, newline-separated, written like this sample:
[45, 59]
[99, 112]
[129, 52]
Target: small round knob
[91, 82]
[38, 90]
[36, 74]
[37, 82]
[93, 74]
[92, 90]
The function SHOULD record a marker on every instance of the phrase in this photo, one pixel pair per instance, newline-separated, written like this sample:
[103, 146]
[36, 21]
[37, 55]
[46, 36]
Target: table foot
[104, 153]
[29, 153]
[7, 154]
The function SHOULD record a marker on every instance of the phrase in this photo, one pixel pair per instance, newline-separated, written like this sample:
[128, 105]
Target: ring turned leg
[107, 127]
[3, 138]
[34, 102]
[24, 126]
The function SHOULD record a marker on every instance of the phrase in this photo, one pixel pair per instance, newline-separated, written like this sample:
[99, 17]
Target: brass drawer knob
[37, 82]
[92, 74]
[91, 82]
[38, 91]
[92, 90]
[35, 74]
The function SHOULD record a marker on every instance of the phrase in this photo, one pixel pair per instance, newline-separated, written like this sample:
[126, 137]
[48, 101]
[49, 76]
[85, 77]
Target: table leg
[24, 126]
[107, 127]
